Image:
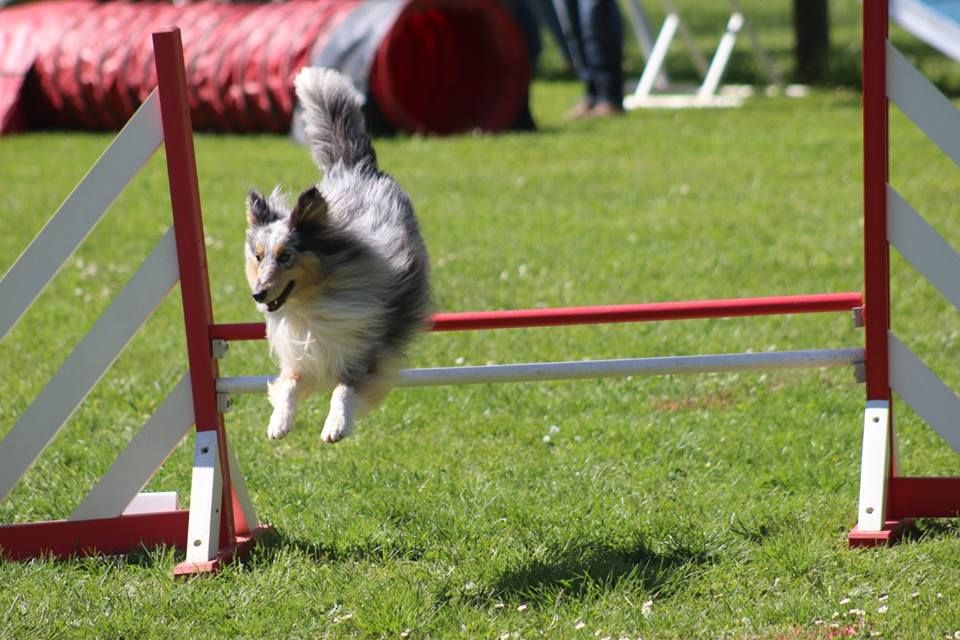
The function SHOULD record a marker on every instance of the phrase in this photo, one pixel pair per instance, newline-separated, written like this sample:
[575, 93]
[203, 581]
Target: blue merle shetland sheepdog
[342, 275]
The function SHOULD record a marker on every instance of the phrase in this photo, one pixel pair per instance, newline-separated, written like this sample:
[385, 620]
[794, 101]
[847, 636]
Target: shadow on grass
[377, 550]
[584, 570]
[928, 529]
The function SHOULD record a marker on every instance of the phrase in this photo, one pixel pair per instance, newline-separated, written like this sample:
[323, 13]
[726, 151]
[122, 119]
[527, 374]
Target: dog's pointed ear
[258, 211]
[310, 210]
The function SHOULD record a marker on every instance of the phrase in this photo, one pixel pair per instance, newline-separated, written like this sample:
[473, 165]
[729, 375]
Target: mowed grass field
[669, 507]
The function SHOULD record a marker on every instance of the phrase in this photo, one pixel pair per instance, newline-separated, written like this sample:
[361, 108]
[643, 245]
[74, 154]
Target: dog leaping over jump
[342, 276]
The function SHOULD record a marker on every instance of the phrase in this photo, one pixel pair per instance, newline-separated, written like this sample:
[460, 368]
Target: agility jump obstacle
[889, 502]
[654, 89]
[221, 523]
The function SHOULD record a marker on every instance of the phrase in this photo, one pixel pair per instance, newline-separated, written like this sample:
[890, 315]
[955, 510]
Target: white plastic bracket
[219, 348]
[860, 372]
[859, 320]
[874, 466]
[206, 493]
[224, 402]
[152, 502]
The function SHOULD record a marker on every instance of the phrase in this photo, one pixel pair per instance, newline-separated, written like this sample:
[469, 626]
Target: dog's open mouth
[277, 302]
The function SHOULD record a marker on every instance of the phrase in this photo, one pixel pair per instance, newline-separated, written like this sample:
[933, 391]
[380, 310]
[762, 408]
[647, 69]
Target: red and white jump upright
[115, 517]
[888, 502]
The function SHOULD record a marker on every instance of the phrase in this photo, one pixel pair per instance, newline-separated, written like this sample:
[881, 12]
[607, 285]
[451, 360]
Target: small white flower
[882, 609]
[522, 608]
[547, 439]
[647, 609]
[580, 625]
[856, 612]
[554, 429]
[500, 605]
[406, 633]
[845, 601]
[460, 360]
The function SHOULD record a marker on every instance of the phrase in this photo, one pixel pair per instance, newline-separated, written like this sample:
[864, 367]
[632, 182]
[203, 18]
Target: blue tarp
[936, 22]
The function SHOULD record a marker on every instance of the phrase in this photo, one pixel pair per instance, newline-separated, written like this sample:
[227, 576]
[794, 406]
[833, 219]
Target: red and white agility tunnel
[430, 66]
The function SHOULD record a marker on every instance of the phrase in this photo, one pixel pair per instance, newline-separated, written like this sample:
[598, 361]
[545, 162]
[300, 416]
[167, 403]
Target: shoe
[580, 110]
[605, 109]
[524, 121]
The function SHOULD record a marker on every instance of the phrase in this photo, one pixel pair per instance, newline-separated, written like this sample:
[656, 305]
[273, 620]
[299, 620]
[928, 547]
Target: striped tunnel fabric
[432, 66]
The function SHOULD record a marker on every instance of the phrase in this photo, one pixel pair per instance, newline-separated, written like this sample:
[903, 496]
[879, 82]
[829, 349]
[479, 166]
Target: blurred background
[425, 66]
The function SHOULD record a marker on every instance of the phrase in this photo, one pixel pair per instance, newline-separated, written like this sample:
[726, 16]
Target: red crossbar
[646, 312]
[65, 538]
[923, 497]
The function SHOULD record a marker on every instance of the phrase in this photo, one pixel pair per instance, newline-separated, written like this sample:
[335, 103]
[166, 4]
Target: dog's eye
[259, 257]
[285, 257]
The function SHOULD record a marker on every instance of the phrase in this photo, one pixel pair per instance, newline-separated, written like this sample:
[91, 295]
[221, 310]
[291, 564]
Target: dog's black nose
[260, 296]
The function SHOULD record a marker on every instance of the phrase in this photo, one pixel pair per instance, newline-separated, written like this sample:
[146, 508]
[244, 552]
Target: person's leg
[602, 37]
[568, 12]
[530, 29]
[546, 14]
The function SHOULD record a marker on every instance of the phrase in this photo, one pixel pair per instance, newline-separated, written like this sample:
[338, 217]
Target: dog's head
[281, 262]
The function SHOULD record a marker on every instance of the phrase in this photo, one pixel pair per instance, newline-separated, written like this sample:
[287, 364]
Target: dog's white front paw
[336, 427]
[339, 422]
[280, 425]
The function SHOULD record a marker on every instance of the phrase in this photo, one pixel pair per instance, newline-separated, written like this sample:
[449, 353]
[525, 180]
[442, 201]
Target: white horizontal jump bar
[541, 371]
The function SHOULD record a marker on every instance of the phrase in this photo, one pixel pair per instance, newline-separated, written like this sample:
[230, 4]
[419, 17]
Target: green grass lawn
[671, 507]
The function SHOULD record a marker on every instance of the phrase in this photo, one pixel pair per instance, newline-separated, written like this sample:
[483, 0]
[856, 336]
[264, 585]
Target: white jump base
[620, 368]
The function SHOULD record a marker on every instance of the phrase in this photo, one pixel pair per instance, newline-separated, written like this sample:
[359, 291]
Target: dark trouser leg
[574, 35]
[602, 37]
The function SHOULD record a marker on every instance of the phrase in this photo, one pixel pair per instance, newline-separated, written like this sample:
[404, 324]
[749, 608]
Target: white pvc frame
[710, 93]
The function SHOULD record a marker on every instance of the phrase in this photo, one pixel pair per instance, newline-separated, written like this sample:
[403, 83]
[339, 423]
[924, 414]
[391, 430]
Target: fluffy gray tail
[333, 123]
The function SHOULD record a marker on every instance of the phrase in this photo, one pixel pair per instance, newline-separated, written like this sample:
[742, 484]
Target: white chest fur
[311, 346]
